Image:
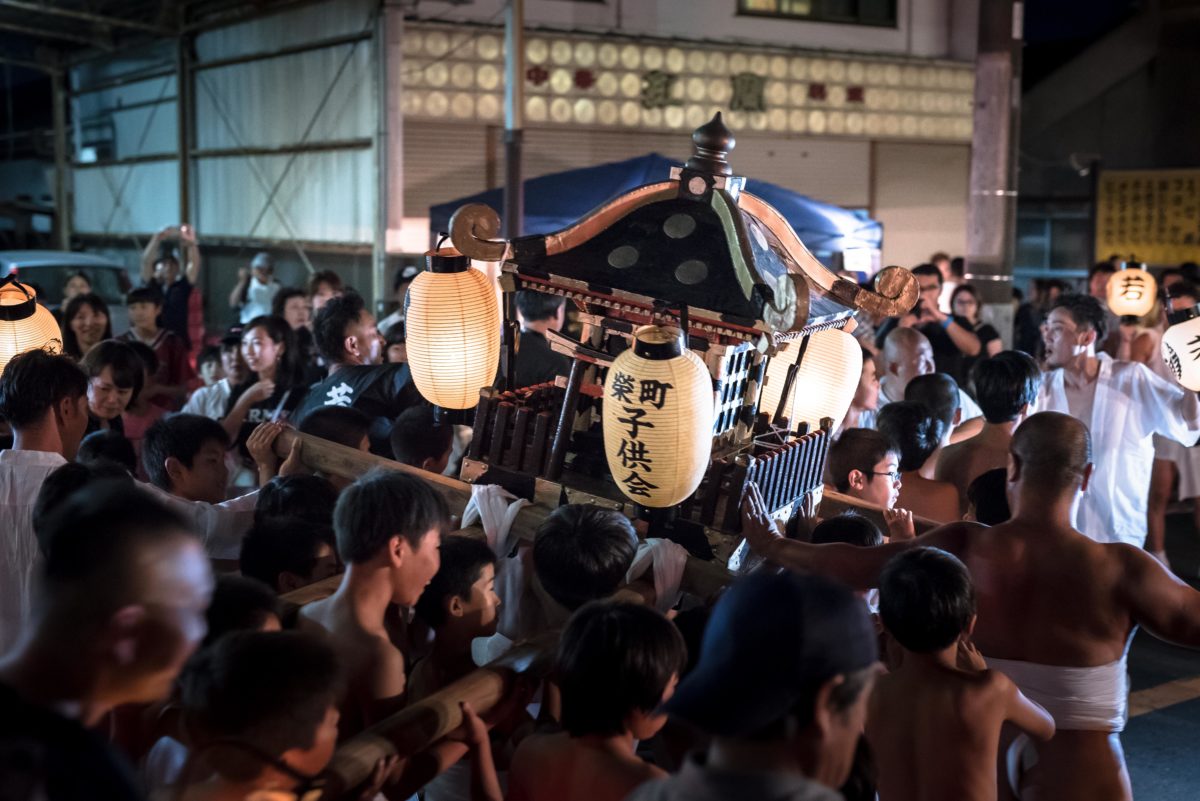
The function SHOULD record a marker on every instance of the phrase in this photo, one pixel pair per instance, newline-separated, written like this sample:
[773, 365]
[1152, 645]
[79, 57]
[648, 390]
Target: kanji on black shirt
[381, 392]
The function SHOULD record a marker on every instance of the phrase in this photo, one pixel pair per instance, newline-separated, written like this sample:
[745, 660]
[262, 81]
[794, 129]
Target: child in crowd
[288, 553]
[65, 481]
[918, 434]
[934, 721]
[212, 401]
[850, 528]
[173, 372]
[618, 663]
[419, 441]
[861, 413]
[184, 454]
[307, 498]
[107, 446]
[395, 343]
[865, 464]
[208, 365]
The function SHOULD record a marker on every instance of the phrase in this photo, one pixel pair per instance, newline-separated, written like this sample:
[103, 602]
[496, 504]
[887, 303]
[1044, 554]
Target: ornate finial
[712, 144]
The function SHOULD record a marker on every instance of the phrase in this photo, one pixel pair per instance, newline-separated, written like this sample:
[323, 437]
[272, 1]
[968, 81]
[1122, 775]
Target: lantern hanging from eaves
[819, 374]
[24, 323]
[452, 322]
[1131, 290]
[658, 418]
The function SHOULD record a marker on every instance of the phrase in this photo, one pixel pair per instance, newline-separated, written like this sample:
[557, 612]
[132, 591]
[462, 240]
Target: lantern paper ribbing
[34, 326]
[658, 419]
[824, 384]
[1181, 347]
[452, 322]
[1131, 291]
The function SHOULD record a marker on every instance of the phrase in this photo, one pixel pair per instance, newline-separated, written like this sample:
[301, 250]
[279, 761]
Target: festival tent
[553, 202]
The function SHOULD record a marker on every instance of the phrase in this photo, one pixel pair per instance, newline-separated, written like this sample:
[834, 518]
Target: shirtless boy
[1057, 609]
[934, 722]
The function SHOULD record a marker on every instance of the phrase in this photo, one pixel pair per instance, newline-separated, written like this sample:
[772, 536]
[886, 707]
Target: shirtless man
[1057, 610]
[906, 355]
[388, 528]
[1007, 386]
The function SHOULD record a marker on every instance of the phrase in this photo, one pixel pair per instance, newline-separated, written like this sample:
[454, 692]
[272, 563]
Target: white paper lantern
[1131, 290]
[1181, 347]
[24, 324]
[658, 419]
[824, 384]
[452, 323]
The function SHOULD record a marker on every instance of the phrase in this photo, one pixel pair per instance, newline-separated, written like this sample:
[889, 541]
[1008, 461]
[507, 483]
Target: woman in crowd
[276, 385]
[322, 286]
[964, 303]
[86, 321]
[77, 284]
[116, 375]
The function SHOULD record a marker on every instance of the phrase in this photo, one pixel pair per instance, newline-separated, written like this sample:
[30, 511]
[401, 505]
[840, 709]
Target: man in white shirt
[44, 399]
[907, 354]
[1123, 404]
[256, 288]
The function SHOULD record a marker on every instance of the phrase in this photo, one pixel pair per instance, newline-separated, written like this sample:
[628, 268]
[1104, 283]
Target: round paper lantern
[1181, 347]
[452, 322]
[825, 382]
[24, 325]
[1131, 290]
[658, 418]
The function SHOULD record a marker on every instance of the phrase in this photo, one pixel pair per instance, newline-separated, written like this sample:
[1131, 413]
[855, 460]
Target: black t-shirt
[44, 755]
[174, 315]
[281, 405]
[380, 391]
[536, 362]
[947, 358]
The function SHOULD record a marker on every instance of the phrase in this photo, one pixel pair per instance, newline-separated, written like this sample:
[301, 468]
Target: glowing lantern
[825, 382]
[1131, 290]
[1181, 347]
[658, 418]
[452, 320]
[24, 325]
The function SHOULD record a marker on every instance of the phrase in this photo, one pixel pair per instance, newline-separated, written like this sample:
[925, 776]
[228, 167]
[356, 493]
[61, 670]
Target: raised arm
[150, 254]
[191, 254]
[239, 290]
[1161, 603]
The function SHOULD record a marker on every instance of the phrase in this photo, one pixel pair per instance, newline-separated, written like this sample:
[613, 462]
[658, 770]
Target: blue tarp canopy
[553, 202]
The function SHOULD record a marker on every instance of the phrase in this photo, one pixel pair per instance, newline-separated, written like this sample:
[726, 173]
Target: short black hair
[535, 306]
[341, 424]
[330, 323]
[33, 382]
[417, 436]
[269, 691]
[276, 545]
[279, 302]
[615, 658]
[857, 449]
[582, 552]
[107, 447]
[926, 600]
[381, 505]
[231, 342]
[1005, 384]
[914, 429]
[239, 603]
[324, 277]
[1102, 267]
[63, 482]
[181, 436]
[463, 560]
[128, 369]
[1085, 311]
[144, 294]
[850, 528]
[92, 544]
[209, 353]
[988, 494]
[939, 393]
[310, 498]
[928, 269]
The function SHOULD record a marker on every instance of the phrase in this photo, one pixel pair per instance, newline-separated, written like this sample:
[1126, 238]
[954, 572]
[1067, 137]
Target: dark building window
[857, 12]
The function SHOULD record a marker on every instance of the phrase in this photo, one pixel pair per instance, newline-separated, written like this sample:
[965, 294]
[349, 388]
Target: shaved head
[1051, 450]
[906, 355]
[901, 341]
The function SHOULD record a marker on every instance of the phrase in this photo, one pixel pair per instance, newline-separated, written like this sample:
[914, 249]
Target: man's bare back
[554, 767]
[963, 462]
[935, 500]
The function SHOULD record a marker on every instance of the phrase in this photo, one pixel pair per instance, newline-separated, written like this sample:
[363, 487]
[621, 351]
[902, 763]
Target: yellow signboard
[1153, 215]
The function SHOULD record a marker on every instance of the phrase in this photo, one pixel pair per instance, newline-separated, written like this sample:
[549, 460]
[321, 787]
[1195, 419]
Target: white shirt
[221, 526]
[210, 401]
[258, 299]
[970, 409]
[1129, 406]
[21, 477]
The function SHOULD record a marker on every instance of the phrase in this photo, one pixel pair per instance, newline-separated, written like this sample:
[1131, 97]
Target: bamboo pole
[833, 503]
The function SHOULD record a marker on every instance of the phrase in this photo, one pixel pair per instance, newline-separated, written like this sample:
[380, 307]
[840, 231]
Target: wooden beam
[833, 502]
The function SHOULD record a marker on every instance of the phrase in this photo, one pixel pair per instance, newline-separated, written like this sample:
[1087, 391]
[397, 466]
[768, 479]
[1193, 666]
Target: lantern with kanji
[823, 369]
[1131, 290]
[452, 322]
[1181, 347]
[24, 324]
[658, 419]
